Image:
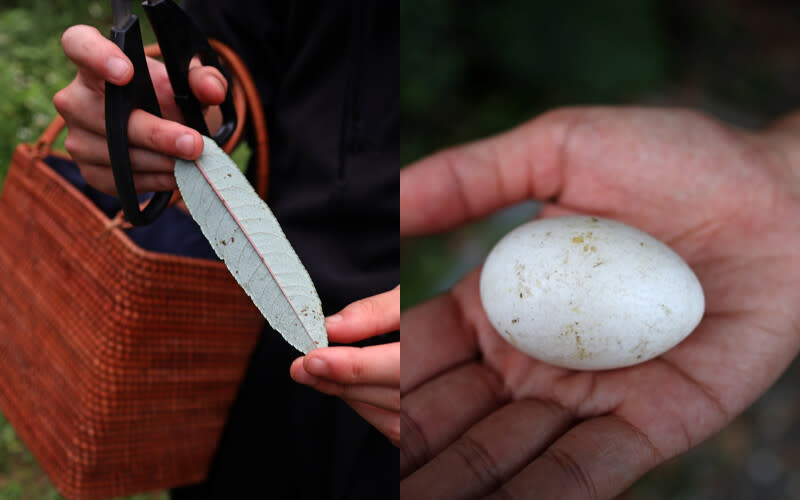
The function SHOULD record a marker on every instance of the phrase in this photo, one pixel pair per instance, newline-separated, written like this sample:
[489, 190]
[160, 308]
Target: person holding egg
[529, 381]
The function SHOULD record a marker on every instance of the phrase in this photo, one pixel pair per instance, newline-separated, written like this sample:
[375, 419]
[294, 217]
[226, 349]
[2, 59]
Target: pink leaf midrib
[252, 245]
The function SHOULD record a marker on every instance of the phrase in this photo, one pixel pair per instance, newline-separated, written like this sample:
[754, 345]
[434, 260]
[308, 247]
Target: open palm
[481, 418]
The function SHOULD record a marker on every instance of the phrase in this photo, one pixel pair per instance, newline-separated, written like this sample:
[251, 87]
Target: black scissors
[180, 40]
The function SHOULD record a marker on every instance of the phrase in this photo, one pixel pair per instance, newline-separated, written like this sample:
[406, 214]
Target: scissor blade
[120, 12]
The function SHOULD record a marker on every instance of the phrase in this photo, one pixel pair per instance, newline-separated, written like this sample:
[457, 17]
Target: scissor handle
[120, 102]
[180, 40]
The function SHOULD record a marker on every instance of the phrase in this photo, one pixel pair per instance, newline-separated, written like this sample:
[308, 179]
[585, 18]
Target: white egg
[589, 293]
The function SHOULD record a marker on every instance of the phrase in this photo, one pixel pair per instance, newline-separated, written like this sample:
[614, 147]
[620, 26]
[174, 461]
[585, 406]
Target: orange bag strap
[246, 101]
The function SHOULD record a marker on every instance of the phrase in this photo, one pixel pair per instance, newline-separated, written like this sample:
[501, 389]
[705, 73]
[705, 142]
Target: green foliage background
[33, 66]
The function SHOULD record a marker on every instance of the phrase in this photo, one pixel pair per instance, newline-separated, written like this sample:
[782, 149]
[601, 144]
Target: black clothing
[328, 73]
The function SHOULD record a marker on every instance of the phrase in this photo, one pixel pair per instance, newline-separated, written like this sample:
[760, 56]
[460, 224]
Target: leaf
[246, 235]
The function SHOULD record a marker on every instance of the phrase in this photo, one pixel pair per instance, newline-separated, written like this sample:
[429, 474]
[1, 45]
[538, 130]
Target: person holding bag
[328, 78]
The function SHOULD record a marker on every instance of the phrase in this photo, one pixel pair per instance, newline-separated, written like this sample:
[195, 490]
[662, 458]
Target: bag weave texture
[118, 365]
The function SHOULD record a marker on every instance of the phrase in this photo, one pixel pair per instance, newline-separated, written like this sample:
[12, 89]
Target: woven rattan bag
[118, 365]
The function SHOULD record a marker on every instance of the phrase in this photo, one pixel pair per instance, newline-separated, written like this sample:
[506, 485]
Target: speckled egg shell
[589, 293]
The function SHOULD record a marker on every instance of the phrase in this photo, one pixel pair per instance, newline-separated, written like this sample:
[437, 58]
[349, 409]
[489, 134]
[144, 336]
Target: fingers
[378, 364]
[92, 148]
[82, 102]
[98, 59]
[369, 374]
[81, 107]
[85, 110]
[366, 378]
[553, 210]
[436, 413]
[599, 458]
[164, 136]
[208, 84]
[466, 182]
[366, 318]
[434, 339]
[489, 453]
[101, 178]
[507, 455]
[154, 142]
[145, 131]
[381, 397]
[387, 422]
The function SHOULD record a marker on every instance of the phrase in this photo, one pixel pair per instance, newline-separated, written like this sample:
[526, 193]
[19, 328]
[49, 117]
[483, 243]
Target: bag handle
[246, 100]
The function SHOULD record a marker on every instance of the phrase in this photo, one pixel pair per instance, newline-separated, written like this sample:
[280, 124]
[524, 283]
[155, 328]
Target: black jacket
[328, 73]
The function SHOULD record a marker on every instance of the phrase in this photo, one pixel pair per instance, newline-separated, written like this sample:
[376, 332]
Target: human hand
[155, 142]
[481, 418]
[366, 378]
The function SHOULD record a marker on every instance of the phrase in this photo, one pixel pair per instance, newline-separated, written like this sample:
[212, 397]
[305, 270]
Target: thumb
[460, 184]
[366, 318]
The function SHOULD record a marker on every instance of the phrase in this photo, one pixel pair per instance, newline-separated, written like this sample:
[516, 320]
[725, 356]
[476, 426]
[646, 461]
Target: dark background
[471, 69]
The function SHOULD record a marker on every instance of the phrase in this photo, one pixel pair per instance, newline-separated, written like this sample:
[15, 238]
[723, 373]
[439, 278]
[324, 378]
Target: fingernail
[336, 318]
[316, 366]
[117, 68]
[185, 145]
